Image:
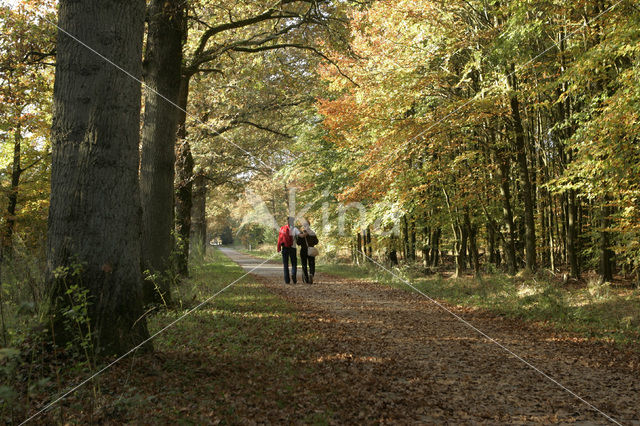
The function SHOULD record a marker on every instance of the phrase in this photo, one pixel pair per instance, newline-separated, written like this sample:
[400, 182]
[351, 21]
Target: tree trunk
[527, 192]
[473, 246]
[359, 247]
[162, 74]
[370, 249]
[491, 244]
[412, 241]
[94, 215]
[507, 212]
[199, 216]
[16, 172]
[606, 254]
[405, 239]
[435, 247]
[426, 254]
[572, 250]
[456, 247]
[464, 239]
[184, 185]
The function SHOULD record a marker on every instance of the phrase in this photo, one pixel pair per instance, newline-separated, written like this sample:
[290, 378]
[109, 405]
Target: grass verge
[243, 357]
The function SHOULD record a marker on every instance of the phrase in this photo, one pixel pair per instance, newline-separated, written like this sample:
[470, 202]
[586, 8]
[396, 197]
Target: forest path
[407, 360]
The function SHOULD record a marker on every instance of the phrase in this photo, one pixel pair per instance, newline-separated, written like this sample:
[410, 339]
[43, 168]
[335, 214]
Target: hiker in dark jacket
[287, 245]
[306, 239]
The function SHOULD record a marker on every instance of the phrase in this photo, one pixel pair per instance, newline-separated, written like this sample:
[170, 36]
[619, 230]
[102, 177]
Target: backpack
[285, 236]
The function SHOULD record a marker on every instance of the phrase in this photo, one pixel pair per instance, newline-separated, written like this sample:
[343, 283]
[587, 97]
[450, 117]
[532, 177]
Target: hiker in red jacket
[287, 245]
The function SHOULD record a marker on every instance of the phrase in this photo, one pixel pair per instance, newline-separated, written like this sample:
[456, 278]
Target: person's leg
[285, 263]
[312, 268]
[294, 265]
[303, 260]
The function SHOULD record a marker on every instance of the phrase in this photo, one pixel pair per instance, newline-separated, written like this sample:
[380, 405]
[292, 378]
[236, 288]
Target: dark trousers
[307, 260]
[289, 254]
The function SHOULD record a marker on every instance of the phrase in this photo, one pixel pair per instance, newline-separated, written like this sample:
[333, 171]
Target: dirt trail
[402, 359]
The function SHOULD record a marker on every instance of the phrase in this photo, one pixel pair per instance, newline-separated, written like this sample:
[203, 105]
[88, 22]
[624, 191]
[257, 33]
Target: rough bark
[162, 71]
[94, 216]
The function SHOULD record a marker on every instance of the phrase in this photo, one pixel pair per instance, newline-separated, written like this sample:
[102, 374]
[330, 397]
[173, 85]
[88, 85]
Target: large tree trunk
[184, 184]
[94, 216]
[162, 71]
[527, 191]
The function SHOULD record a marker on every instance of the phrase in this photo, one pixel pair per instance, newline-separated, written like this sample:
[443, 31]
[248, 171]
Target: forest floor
[345, 351]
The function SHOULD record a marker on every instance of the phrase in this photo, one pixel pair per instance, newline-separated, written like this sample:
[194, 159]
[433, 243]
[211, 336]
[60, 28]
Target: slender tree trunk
[405, 238]
[564, 220]
[392, 253]
[94, 215]
[363, 234]
[552, 247]
[412, 240]
[491, 244]
[606, 254]
[162, 75]
[184, 185]
[16, 173]
[507, 213]
[358, 247]
[473, 246]
[370, 252]
[199, 216]
[572, 219]
[456, 247]
[426, 254]
[455, 227]
[464, 239]
[435, 247]
[527, 192]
